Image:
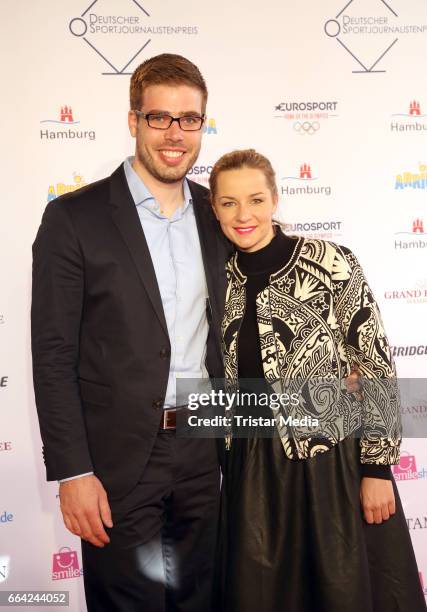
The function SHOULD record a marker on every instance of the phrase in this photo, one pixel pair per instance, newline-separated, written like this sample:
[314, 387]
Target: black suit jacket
[101, 350]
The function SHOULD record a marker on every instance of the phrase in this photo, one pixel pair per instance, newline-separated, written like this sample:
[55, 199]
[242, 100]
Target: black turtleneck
[257, 267]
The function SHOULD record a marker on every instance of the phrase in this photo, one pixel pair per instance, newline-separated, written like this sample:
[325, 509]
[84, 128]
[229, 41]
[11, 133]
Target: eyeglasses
[160, 121]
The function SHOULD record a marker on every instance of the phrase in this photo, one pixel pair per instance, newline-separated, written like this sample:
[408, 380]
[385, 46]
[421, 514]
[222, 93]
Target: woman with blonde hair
[312, 520]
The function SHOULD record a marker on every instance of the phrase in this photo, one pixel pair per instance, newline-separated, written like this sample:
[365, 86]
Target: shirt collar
[141, 194]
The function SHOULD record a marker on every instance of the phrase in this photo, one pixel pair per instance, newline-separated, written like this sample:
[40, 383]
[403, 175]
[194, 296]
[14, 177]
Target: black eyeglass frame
[147, 116]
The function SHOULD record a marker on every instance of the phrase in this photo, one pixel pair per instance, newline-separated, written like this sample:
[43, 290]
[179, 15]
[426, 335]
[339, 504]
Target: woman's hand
[377, 498]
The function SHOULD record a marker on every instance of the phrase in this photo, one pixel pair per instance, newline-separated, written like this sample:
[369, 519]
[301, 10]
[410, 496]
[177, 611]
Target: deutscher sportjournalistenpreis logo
[118, 31]
[306, 117]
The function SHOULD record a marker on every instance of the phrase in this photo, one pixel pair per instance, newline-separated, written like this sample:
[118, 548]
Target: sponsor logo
[117, 31]
[65, 564]
[323, 230]
[406, 468]
[409, 351]
[4, 568]
[417, 229]
[4, 381]
[415, 295]
[209, 126]
[410, 121]
[5, 446]
[6, 517]
[61, 130]
[304, 182]
[417, 522]
[368, 38]
[1, 319]
[200, 174]
[60, 188]
[414, 180]
[306, 117]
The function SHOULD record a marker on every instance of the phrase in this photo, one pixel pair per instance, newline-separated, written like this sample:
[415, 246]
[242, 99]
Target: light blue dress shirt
[175, 251]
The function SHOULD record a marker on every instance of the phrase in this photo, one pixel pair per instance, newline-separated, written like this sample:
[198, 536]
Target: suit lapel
[125, 216]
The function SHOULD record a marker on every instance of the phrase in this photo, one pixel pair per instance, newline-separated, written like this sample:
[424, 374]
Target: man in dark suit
[128, 282]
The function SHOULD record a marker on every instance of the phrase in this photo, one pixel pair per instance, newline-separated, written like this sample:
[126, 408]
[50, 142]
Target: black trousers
[162, 549]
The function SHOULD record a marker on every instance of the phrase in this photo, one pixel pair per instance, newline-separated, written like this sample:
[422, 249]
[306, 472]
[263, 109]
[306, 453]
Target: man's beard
[164, 174]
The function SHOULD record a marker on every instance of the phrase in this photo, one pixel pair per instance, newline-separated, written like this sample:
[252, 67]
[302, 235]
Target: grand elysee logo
[58, 189]
[367, 30]
[307, 117]
[414, 120]
[61, 127]
[119, 30]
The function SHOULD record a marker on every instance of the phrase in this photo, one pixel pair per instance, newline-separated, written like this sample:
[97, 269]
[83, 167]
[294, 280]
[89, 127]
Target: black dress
[293, 538]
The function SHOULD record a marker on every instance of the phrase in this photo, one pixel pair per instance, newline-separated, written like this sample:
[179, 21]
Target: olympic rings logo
[307, 127]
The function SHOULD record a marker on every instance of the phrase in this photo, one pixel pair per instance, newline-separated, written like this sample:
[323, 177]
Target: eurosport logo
[306, 117]
[367, 37]
[414, 120]
[323, 230]
[5, 446]
[412, 180]
[411, 238]
[118, 31]
[4, 381]
[61, 127]
[65, 564]
[2, 319]
[58, 189]
[304, 182]
[200, 174]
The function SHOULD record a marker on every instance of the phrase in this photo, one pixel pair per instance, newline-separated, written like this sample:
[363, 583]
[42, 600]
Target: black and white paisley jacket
[316, 318]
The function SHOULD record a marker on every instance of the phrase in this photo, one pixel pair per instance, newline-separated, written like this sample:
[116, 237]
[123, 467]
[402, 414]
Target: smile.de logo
[65, 564]
[407, 467]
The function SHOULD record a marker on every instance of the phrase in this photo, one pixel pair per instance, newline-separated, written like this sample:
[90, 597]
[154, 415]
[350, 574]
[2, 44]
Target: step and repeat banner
[333, 92]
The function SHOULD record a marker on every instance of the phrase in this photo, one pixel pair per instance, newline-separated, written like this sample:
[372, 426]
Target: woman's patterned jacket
[316, 319]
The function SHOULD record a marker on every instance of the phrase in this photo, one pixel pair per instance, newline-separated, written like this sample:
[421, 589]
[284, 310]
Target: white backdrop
[333, 92]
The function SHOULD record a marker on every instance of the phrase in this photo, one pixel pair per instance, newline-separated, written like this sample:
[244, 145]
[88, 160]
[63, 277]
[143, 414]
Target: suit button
[164, 353]
[157, 404]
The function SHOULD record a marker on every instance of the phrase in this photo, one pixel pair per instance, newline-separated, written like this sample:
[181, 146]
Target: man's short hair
[165, 69]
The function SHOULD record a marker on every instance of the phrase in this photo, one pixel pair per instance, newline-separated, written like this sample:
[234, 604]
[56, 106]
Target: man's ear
[132, 123]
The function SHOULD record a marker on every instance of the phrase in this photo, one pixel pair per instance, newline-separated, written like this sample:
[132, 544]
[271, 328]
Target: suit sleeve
[366, 346]
[56, 312]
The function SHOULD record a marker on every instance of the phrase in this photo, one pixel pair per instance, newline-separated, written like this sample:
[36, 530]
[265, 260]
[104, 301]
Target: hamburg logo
[409, 121]
[414, 231]
[117, 31]
[60, 188]
[65, 564]
[304, 183]
[61, 127]
[368, 37]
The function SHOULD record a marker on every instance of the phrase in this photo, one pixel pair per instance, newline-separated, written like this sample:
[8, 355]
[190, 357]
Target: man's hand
[85, 509]
[377, 498]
